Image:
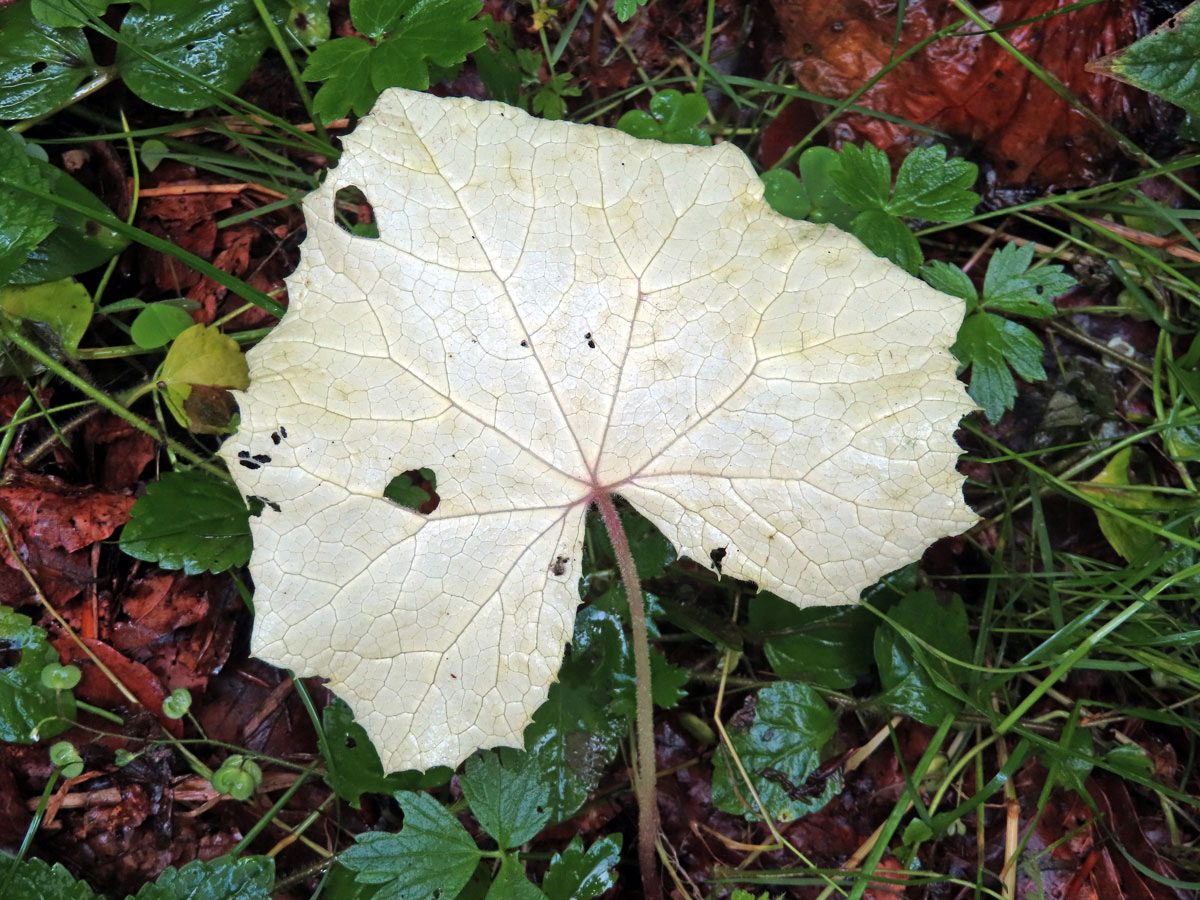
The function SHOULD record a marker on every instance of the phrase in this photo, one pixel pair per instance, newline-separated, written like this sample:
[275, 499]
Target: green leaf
[63, 306]
[1010, 286]
[576, 732]
[817, 167]
[1135, 543]
[863, 177]
[626, 8]
[786, 194]
[374, 18]
[217, 43]
[223, 878]
[344, 64]
[153, 152]
[508, 801]
[26, 703]
[24, 220]
[887, 236]
[511, 883]
[307, 22]
[674, 118]
[576, 874]
[573, 740]
[78, 243]
[340, 885]
[159, 324]
[950, 280]
[352, 766]
[190, 521]
[829, 646]
[33, 879]
[67, 13]
[930, 186]
[779, 752]
[1130, 760]
[1072, 761]
[421, 33]
[498, 67]
[40, 66]
[548, 100]
[668, 682]
[431, 856]
[909, 674]
[201, 358]
[989, 344]
[1163, 62]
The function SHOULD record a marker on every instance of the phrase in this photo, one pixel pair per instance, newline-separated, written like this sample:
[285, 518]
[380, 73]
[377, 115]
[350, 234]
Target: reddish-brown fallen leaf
[51, 525]
[969, 87]
[121, 450]
[234, 258]
[253, 704]
[156, 606]
[181, 627]
[96, 688]
[60, 515]
[188, 220]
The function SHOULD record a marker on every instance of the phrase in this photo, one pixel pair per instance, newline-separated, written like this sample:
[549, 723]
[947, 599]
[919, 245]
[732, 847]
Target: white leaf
[553, 310]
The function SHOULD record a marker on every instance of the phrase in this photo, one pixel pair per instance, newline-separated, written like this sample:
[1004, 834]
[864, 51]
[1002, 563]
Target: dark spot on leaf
[559, 566]
[275, 437]
[190, 47]
[38, 67]
[243, 454]
[1040, 289]
[261, 457]
[283, 431]
[301, 21]
[351, 743]
[10, 656]
[717, 556]
[524, 343]
[354, 214]
[248, 464]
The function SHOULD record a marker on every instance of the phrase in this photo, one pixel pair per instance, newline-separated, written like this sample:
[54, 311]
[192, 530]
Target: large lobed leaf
[551, 311]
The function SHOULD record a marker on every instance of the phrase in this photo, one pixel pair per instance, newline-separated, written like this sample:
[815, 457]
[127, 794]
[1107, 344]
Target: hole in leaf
[353, 212]
[351, 743]
[39, 66]
[717, 556]
[10, 656]
[415, 489]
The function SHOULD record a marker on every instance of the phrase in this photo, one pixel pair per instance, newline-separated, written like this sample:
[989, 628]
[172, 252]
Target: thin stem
[644, 763]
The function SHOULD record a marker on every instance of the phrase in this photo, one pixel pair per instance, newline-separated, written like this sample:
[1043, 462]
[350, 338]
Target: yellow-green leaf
[1135, 543]
[202, 358]
[64, 306]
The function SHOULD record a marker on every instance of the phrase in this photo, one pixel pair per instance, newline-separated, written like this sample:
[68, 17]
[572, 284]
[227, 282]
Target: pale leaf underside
[552, 310]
